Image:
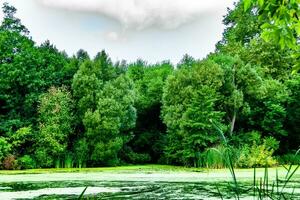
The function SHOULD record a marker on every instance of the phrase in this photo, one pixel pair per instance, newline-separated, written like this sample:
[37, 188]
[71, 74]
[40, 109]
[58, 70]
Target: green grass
[102, 169]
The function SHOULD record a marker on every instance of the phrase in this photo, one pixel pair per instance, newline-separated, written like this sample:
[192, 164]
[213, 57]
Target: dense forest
[78, 111]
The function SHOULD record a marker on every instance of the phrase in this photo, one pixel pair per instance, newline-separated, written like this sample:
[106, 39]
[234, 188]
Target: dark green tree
[108, 125]
[189, 102]
[10, 22]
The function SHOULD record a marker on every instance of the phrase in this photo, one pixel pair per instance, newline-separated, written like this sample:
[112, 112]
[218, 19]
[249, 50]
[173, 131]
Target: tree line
[78, 111]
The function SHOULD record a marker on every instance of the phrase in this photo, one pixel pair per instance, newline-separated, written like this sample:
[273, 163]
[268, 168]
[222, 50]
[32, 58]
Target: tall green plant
[262, 188]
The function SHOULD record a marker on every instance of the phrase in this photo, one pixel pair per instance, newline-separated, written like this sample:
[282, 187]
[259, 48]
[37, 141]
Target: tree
[56, 118]
[82, 55]
[282, 24]
[86, 84]
[282, 20]
[89, 80]
[241, 37]
[81, 152]
[149, 135]
[249, 98]
[10, 22]
[26, 71]
[186, 61]
[293, 113]
[108, 125]
[189, 102]
[240, 28]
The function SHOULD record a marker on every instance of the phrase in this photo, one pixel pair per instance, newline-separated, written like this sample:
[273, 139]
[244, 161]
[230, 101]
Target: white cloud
[142, 14]
[114, 36]
[1, 13]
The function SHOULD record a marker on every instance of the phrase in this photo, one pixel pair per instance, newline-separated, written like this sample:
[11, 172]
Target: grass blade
[82, 193]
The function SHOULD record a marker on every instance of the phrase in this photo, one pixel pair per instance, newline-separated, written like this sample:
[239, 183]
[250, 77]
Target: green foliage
[5, 148]
[86, 84]
[186, 62]
[106, 127]
[27, 162]
[282, 24]
[140, 112]
[135, 158]
[26, 71]
[81, 152]
[241, 27]
[10, 22]
[289, 159]
[43, 159]
[188, 104]
[214, 157]
[149, 132]
[55, 116]
[21, 139]
[258, 154]
[293, 112]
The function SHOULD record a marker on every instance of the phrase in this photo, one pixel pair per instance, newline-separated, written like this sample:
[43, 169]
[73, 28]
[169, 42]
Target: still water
[130, 185]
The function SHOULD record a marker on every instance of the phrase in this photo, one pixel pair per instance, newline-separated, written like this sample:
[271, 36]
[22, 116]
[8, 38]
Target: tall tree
[108, 125]
[56, 125]
[26, 71]
[10, 22]
[149, 135]
[188, 105]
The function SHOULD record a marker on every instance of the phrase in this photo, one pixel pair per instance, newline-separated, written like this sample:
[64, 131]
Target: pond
[133, 185]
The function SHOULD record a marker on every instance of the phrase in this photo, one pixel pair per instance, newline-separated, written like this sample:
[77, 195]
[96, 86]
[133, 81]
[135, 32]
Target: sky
[152, 30]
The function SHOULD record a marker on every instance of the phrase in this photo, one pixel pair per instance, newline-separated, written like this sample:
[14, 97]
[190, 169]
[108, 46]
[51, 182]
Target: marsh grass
[262, 187]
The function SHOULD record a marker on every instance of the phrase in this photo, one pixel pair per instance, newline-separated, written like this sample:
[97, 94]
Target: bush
[10, 162]
[43, 159]
[5, 148]
[128, 155]
[257, 155]
[139, 158]
[26, 162]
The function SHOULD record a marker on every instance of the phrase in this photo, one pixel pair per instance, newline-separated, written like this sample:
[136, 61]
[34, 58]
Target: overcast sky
[153, 30]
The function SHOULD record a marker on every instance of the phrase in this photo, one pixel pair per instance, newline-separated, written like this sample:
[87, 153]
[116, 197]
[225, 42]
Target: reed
[262, 187]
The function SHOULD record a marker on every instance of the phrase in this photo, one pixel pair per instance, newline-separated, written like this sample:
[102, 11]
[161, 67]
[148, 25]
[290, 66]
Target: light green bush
[258, 155]
[5, 148]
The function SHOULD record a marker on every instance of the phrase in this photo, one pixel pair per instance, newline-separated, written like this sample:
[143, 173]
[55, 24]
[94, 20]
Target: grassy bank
[136, 168]
[132, 168]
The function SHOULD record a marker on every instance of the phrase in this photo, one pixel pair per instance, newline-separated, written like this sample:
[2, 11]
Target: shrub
[27, 162]
[43, 159]
[5, 148]
[10, 162]
[128, 155]
[257, 155]
[139, 158]
[271, 143]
